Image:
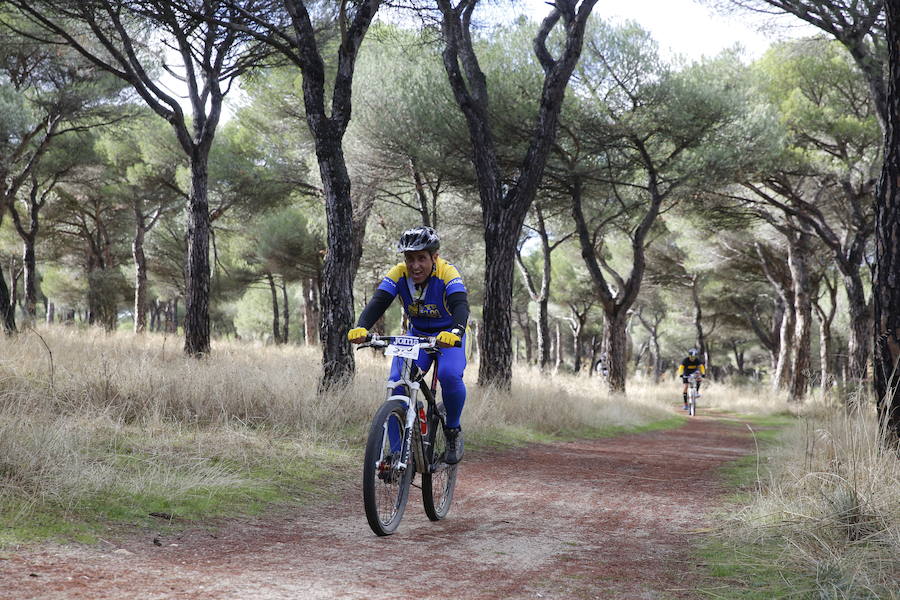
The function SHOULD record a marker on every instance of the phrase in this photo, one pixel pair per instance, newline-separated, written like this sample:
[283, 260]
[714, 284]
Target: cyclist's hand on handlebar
[357, 335]
[446, 339]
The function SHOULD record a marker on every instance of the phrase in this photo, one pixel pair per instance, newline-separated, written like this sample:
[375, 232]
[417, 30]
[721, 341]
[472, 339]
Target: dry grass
[119, 425]
[91, 421]
[831, 502]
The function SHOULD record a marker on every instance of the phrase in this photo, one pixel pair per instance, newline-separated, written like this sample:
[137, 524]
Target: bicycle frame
[693, 391]
[411, 377]
[693, 380]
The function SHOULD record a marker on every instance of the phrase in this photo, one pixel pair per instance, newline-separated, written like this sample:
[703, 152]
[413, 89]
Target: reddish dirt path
[608, 518]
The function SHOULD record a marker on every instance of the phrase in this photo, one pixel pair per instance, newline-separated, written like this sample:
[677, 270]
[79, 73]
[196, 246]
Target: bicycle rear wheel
[439, 480]
[385, 485]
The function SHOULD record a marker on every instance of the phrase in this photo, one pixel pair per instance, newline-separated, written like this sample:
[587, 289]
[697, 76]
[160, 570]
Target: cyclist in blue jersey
[437, 304]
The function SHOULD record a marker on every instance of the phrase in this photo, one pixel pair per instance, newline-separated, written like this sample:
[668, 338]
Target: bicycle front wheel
[439, 478]
[692, 407]
[385, 484]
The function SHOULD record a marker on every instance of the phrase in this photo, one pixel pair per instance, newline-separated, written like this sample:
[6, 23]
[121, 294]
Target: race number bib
[403, 347]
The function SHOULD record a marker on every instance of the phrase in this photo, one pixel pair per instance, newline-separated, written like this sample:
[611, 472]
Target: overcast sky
[686, 27]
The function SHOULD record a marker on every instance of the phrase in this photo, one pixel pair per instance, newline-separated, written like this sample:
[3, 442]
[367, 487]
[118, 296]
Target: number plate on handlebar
[403, 347]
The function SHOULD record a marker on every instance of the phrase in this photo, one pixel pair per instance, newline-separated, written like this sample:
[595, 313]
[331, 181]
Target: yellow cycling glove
[357, 333]
[451, 339]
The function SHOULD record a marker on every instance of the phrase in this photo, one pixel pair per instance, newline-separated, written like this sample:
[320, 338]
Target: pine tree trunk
[495, 367]
[797, 254]
[337, 289]
[140, 274]
[276, 326]
[657, 358]
[615, 346]
[475, 348]
[7, 308]
[775, 332]
[860, 330]
[543, 331]
[558, 348]
[154, 314]
[310, 311]
[525, 326]
[578, 346]
[826, 351]
[29, 265]
[781, 379]
[286, 313]
[529, 344]
[886, 277]
[196, 318]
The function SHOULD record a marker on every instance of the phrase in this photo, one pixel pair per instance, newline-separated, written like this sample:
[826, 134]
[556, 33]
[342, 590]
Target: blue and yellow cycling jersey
[426, 304]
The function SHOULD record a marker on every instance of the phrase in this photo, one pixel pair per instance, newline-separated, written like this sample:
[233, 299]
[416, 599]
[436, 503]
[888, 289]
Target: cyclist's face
[419, 263]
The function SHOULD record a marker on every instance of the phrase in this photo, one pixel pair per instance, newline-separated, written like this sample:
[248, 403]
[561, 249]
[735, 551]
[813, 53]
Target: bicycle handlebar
[380, 341]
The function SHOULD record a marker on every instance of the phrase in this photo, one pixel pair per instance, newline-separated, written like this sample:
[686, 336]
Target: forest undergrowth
[98, 428]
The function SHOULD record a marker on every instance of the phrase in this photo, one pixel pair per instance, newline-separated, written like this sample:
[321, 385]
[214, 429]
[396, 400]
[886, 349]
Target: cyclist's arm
[703, 369]
[379, 303]
[681, 369]
[458, 305]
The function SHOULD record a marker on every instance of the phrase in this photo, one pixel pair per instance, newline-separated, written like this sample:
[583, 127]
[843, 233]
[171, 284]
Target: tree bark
[140, 274]
[475, 347]
[657, 359]
[286, 312]
[496, 360]
[197, 273]
[860, 330]
[558, 349]
[615, 347]
[140, 269]
[310, 310]
[29, 237]
[524, 323]
[577, 326]
[798, 251]
[29, 266]
[826, 351]
[276, 326]
[887, 245]
[782, 377]
[826, 339]
[738, 356]
[7, 308]
[337, 288]
[779, 277]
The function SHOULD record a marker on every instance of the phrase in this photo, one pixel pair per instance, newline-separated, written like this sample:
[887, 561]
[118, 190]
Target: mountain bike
[406, 437]
[693, 392]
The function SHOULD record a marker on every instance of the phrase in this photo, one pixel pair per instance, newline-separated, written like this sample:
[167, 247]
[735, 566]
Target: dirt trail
[609, 518]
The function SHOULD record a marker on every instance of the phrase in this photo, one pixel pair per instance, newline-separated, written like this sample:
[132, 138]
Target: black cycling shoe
[454, 451]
